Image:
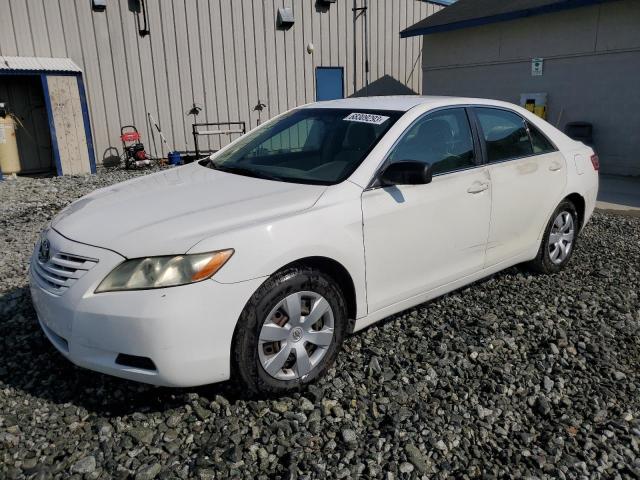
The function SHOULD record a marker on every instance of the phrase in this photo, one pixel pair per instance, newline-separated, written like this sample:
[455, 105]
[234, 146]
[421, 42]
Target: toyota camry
[255, 263]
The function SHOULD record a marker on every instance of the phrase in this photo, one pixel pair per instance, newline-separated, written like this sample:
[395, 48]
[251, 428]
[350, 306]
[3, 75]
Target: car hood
[168, 212]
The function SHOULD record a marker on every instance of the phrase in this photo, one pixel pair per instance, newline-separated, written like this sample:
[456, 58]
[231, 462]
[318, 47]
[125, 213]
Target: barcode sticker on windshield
[366, 118]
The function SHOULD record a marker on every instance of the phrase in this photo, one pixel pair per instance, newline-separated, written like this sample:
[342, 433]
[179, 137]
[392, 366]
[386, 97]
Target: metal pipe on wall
[355, 47]
[365, 42]
[366, 48]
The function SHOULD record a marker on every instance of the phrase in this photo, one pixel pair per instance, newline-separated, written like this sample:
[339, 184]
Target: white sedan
[256, 262]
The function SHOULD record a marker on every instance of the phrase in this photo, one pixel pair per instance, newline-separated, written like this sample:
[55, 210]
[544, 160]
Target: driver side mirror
[406, 172]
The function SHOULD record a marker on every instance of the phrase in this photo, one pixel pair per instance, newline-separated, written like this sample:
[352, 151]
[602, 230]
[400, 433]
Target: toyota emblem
[45, 250]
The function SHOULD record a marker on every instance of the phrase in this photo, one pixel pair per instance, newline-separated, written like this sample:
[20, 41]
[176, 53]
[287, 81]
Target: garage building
[583, 54]
[198, 61]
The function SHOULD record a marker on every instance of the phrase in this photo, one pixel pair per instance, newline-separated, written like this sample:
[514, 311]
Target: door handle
[555, 166]
[478, 187]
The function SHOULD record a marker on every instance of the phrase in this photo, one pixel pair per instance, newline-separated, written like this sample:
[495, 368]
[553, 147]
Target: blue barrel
[174, 158]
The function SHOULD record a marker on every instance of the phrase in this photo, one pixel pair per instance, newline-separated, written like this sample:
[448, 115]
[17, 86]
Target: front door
[420, 237]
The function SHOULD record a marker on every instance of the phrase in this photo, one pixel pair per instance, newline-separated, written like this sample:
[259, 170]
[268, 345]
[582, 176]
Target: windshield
[310, 145]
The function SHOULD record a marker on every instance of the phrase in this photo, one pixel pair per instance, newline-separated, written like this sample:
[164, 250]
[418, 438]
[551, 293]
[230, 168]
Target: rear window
[505, 134]
[541, 144]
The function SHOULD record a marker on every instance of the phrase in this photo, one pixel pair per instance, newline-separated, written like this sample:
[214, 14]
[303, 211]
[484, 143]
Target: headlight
[158, 272]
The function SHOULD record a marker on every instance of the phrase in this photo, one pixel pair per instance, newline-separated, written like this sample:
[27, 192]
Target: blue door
[329, 83]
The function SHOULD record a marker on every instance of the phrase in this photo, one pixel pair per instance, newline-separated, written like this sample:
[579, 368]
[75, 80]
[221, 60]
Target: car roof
[402, 103]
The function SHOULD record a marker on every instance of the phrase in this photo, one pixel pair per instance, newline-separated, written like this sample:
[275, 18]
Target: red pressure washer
[133, 152]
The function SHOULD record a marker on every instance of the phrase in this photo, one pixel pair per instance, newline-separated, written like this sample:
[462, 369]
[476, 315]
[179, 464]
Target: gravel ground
[517, 376]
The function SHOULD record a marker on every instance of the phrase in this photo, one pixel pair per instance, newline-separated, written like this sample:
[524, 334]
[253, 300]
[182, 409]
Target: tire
[552, 258]
[258, 350]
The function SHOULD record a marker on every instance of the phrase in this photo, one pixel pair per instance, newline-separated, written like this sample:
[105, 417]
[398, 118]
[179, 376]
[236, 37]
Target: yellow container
[541, 111]
[9, 157]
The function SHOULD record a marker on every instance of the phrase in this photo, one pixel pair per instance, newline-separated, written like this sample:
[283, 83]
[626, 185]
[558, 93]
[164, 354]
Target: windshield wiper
[244, 171]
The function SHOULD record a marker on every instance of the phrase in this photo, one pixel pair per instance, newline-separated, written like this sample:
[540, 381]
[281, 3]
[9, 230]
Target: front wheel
[558, 241]
[290, 332]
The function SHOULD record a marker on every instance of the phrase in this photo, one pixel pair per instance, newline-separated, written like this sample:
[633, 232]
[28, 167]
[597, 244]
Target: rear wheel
[290, 332]
[558, 241]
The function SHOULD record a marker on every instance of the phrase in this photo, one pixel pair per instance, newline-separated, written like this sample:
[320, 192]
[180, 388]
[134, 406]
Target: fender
[331, 228]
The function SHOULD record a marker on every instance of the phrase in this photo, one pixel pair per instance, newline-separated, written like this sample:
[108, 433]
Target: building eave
[415, 30]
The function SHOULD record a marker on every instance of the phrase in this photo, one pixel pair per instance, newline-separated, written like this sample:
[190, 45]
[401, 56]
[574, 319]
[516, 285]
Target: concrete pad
[619, 194]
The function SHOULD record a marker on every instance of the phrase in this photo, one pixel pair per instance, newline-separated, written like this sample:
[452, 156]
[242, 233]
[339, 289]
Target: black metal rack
[197, 133]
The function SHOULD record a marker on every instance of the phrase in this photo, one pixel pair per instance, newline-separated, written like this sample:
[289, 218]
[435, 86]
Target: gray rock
[9, 439]
[206, 474]
[84, 465]
[619, 376]
[349, 436]
[142, 435]
[201, 412]
[306, 405]
[417, 458]
[174, 420]
[281, 407]
[148, 472]
[406, 467]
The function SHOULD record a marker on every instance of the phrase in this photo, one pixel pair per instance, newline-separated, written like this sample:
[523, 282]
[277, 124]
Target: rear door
[420, 237]
[528, 175]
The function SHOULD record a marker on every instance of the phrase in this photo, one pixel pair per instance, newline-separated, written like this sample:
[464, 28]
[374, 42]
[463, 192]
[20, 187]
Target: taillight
[595, 161]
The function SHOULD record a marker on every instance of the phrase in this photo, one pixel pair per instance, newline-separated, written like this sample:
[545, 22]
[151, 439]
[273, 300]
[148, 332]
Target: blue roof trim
[442, 3]
[476, 22]
[87, 123]
[38, 72]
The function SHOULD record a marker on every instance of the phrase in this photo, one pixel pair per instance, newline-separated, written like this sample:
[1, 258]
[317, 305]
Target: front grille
[61, 271]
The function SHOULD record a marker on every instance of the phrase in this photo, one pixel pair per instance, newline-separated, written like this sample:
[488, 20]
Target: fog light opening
[133, 361]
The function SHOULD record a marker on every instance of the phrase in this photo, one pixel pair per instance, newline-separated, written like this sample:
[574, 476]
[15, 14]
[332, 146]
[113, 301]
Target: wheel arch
[338, 273]
[578, 201]
[333, 269]
[580, 204]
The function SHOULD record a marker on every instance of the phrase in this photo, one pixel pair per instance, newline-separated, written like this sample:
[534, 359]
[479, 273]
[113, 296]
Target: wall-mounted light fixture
[98, 5]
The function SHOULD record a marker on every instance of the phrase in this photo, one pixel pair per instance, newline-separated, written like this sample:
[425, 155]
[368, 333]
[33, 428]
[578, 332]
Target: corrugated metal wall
[223, 55]
[591, 71]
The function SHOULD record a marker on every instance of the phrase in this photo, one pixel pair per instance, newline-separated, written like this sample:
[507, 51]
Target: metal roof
[38, 64]
[473, 13]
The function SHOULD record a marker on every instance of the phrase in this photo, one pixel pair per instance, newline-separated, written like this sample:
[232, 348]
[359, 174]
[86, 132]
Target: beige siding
[604, 28]
[591, 71]
[223, 55]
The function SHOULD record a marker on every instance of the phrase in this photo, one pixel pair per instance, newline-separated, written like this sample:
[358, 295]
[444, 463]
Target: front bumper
[186, 331]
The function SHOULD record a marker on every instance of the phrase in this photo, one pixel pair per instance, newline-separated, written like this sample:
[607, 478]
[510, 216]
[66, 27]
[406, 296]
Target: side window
[541, 144]
[442, 139]
[304, 136]
[505, 134]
